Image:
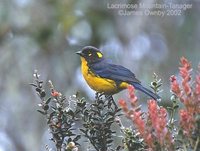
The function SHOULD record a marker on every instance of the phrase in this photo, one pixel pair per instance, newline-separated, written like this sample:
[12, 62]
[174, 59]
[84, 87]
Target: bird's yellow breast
[99, 84]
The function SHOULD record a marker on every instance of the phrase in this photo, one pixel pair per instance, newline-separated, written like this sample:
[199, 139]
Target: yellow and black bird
[105, 77]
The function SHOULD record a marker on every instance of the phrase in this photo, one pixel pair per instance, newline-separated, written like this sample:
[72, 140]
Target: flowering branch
[189, 95]
[153, 121]
[151, 130]
[60, 117]
[159, 132]
[95, 119]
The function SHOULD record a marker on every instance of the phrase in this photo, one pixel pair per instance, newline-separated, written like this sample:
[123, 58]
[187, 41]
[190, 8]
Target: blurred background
[45, 34]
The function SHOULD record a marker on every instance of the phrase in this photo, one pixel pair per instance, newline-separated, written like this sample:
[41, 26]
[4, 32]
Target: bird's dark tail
[145, 90]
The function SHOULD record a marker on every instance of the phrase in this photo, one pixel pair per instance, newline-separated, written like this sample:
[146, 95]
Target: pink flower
[186, 87]
[184, 72]
[188, 95]
[158, 118]
[55, 93]
[186, 121]
[197, 87]
[153, 126]
[185, 63]
[139, 122]
[135, 114]
[123, 105]
[133, 98]
[153, 112]
[175, 86]
[149, 141]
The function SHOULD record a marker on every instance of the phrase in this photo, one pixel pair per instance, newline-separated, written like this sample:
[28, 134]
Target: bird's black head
[91, 54]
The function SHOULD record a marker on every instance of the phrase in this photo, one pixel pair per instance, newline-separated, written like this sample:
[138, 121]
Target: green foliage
[97, 122]
[133, 140]
[60, 118]
[96, 118]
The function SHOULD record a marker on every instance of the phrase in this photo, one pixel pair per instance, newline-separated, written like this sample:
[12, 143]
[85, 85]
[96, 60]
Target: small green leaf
[77, 138]
[159, 85]
[170, 108]
[38, 90]
[81, 104]
[42, 112]
[118, 148]
[176, 106]
[84, 131]
[70, 112]
[109, 141]
[50, 116]
[33, 84]
[48, 100]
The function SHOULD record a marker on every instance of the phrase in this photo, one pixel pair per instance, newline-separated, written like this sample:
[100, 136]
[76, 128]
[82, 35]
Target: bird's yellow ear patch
[100, 55]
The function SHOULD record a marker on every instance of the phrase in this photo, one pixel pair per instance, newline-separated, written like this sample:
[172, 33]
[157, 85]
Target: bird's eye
[89, 54]
[100, 55]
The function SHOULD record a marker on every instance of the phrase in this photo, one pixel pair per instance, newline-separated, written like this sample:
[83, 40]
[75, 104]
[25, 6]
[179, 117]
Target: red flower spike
[175, 86]
[163, 112]
[153, 112]
[185, 63]
[123, 105]
[158, 120]
[131, 91]
[186, 87]
[55, 93]
[173, 78]
[197, 87]
[186, 121]
[133, 98]
[152, 127]
[183, 72]
[149, 141]
[188, 95]
[140, 124]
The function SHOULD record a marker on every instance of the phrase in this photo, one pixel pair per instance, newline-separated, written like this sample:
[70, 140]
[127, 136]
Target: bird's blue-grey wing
[114, 72]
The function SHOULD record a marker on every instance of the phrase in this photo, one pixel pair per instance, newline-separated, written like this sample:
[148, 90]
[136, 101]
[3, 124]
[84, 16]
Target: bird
[105, 77]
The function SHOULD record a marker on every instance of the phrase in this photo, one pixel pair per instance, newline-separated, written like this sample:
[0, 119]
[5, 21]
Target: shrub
[158, 129]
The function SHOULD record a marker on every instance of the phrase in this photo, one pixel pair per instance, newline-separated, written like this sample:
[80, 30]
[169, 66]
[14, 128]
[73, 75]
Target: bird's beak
[79, 53]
